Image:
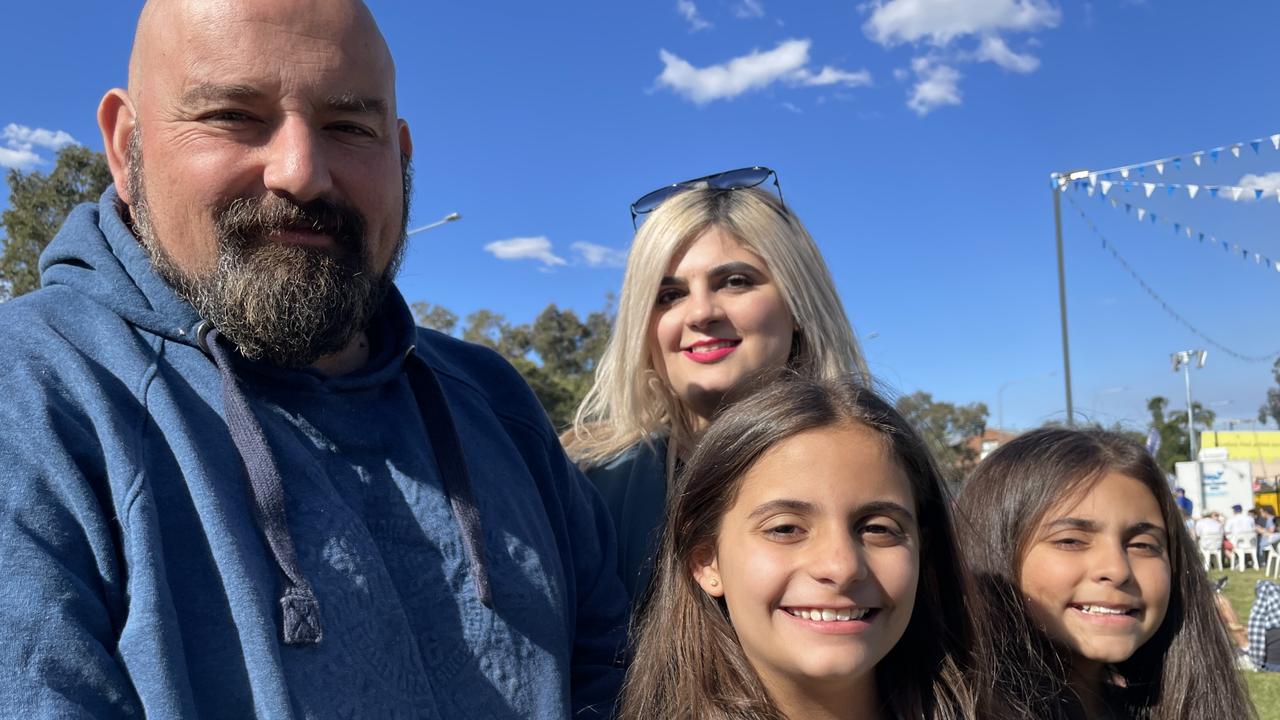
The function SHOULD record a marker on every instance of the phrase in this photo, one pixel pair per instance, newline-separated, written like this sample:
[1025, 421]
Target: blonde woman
[723, 283]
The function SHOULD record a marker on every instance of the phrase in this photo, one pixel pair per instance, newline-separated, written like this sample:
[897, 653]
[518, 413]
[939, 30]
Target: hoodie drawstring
[298, 600]
[434, 410]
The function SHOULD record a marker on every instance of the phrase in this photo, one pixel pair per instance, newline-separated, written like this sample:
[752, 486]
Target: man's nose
[294, 163]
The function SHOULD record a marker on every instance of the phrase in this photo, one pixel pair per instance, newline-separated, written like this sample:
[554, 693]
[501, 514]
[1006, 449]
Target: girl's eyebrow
[782, 504]
[1093, 526]
[800, 507]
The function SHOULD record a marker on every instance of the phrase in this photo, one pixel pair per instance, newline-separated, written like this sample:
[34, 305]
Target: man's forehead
[252, 44]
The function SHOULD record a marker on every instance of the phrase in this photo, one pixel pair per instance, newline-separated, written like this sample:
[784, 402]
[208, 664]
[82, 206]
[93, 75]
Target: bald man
[238, 481]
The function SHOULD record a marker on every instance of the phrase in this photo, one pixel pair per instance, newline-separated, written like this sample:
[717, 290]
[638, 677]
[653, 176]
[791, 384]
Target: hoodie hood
[96, 254]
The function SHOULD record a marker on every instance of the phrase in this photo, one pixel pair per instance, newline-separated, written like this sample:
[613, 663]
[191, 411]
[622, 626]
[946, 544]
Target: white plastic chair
[1243, 546]
[1210, 548]
[1273, 562]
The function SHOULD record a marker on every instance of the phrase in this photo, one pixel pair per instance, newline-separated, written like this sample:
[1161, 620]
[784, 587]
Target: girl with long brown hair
[1093, 602]
[808, 570]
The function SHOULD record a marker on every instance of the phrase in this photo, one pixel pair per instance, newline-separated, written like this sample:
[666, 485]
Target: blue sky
[914, 138]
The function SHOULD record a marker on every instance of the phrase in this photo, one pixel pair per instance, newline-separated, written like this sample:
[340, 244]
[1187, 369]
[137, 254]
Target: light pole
[1060, 181]
[451, 217]
[1182, 361]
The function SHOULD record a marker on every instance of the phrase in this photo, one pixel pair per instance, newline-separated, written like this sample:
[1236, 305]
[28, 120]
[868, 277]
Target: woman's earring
[714, 582]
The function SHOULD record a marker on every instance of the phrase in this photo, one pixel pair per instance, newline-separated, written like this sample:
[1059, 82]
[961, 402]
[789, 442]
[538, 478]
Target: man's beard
[289, 305]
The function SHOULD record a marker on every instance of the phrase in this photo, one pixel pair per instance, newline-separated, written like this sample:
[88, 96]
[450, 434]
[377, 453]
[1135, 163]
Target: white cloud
[16, 135]
[833, 76]
[941, 21]
[600, 255]
[1269, 182]
[747, 9]
[792, 108]
[936, 85]
[993, 49]
[18, 159]
[785, 63]
[20, 143]
[525, 248]
[689, 11]
[731, 79]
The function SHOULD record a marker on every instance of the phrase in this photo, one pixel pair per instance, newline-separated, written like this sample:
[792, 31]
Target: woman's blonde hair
[629, 402]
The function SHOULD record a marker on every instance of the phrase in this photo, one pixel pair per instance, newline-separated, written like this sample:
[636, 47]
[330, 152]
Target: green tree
[1172, 428]
[436, 317]
[556, 354]
[947, 428]
[38, 205]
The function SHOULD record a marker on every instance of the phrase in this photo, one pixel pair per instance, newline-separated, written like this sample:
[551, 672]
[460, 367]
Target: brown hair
[688, 662]
[1186, 670]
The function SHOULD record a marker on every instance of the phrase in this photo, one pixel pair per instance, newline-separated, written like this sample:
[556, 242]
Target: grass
[1264, 687]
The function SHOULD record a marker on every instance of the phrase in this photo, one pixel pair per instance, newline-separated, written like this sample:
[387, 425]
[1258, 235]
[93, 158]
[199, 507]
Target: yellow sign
[1244, 444]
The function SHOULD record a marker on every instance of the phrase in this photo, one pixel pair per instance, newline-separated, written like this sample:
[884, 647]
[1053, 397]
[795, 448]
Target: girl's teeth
[1099, 610]
[829, 615]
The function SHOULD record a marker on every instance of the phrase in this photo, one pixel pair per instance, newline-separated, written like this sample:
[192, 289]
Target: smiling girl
[723, 283]
[1094, 603]
[808, 570]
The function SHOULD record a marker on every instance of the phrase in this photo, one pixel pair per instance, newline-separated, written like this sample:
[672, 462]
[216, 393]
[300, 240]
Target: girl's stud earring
[714, 582]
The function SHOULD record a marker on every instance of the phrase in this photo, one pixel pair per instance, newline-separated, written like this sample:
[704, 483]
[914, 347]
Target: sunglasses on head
[747, 177]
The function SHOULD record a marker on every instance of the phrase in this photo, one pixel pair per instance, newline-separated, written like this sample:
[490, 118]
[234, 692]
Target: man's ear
[406, 140]
[118, 121]
[705, 568]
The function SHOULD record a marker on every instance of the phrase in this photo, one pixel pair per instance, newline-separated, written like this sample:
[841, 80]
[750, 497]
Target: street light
[1060, 181]
[1182, 361]
[451, 217]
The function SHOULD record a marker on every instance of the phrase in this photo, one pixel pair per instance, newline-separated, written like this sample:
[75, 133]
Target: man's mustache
[246, 221]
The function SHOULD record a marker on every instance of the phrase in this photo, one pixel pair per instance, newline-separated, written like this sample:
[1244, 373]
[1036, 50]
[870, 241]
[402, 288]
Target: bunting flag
[1180, 228]
[1123, 171]
[1234, 192]
[1110, 248]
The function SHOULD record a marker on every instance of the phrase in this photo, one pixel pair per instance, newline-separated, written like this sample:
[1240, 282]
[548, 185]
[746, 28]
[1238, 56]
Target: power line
[1109, 246]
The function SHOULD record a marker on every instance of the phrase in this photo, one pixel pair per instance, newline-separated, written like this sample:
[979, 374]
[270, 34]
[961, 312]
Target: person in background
[1264, 626]
[1270, 530]
[722, 283]
[1240, 529]
[1184, 502]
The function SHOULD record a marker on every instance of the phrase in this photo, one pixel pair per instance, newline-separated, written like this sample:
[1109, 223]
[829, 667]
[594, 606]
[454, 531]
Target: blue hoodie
[142, 574]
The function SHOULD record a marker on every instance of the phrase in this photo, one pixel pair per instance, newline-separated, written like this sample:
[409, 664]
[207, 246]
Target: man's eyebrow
[211, 92]
[351, 103]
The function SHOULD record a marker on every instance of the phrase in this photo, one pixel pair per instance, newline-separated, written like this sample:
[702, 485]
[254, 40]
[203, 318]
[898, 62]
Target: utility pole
[1182, 361]
[1059, 186]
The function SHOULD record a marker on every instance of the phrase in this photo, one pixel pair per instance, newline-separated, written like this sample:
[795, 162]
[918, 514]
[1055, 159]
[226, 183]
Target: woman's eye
[738, 281]
[1069, 543]
[668, 296]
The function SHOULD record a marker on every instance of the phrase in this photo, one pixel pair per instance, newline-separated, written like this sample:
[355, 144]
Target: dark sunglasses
[747, 177]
